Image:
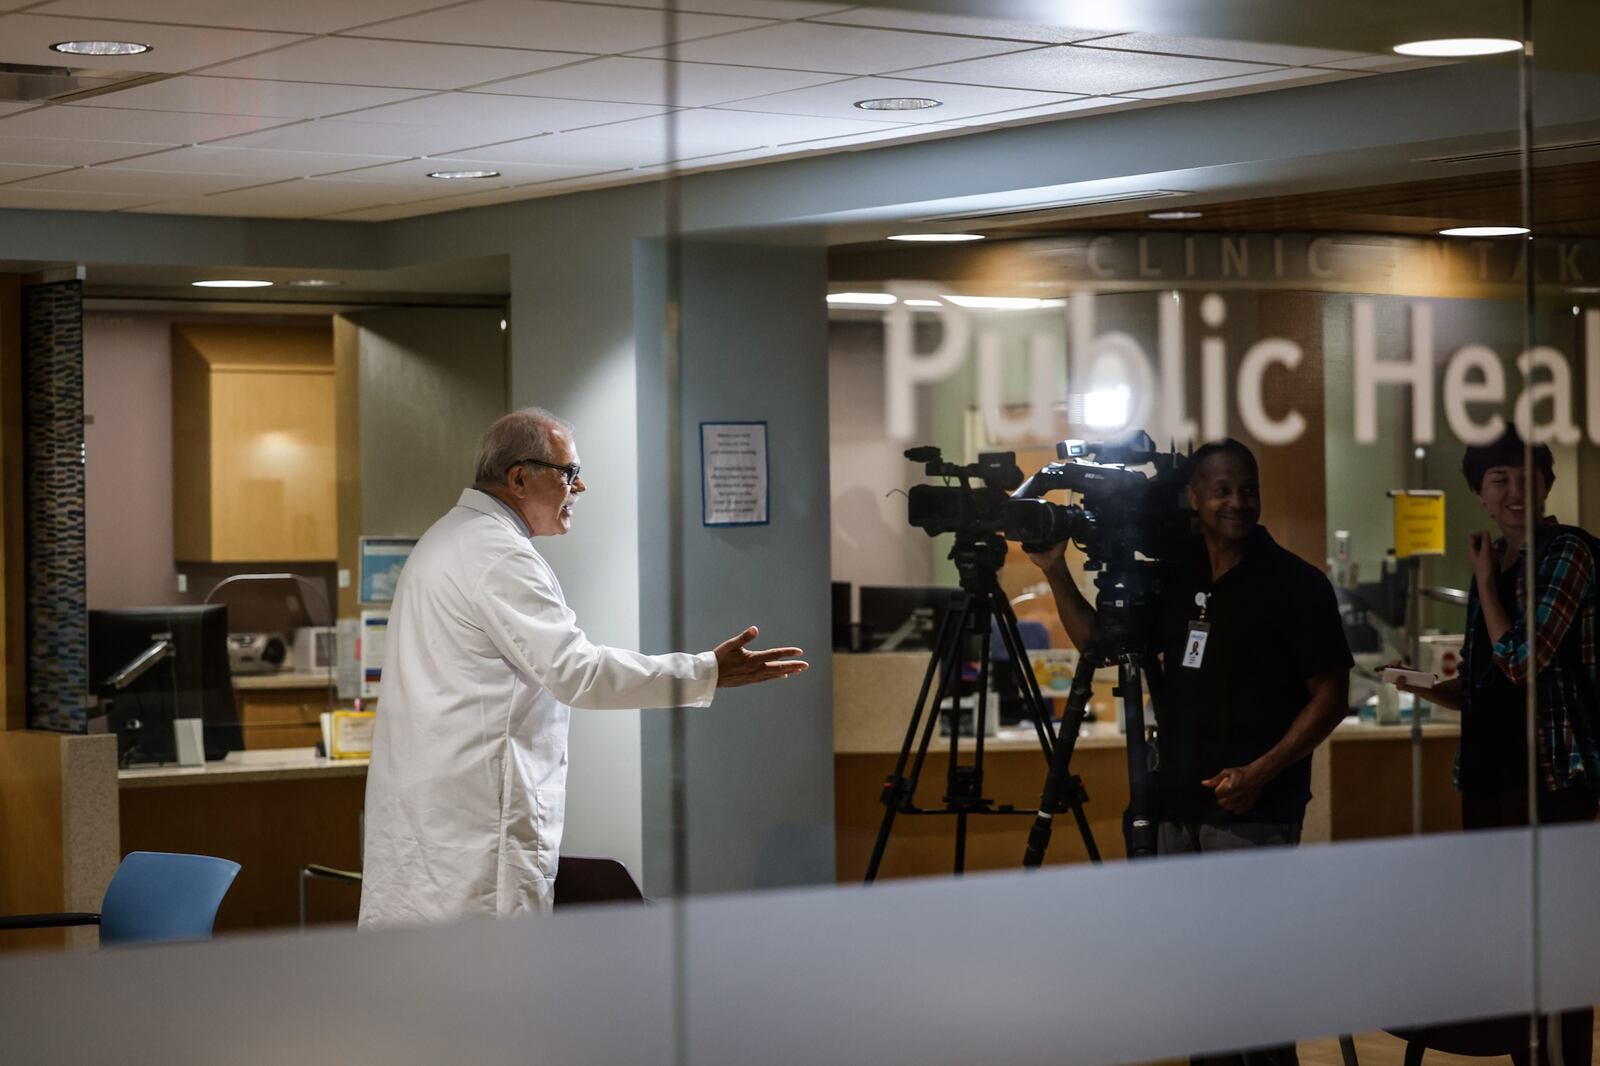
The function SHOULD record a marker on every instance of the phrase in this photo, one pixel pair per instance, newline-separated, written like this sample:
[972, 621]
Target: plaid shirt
[1568, 674]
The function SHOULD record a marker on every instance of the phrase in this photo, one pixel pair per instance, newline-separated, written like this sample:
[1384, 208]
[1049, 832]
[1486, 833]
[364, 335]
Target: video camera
[1123, 511]
[964, 508]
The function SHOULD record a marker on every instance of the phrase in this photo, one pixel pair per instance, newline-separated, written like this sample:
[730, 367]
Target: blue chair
[153, 896]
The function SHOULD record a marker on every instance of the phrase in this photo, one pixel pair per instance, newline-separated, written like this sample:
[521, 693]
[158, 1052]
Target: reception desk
[1361, 780]
[271, 811]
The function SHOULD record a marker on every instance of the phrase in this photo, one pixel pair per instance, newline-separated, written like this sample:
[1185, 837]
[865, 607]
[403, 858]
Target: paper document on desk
[352, 734]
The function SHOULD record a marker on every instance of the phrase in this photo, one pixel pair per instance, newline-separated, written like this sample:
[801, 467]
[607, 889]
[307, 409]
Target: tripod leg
[1027, 684]
[1141, 826]
[1060, 773]
[898, 790]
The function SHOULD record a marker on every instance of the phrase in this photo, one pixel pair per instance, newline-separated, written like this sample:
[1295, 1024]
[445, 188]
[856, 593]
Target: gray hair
[524, 434]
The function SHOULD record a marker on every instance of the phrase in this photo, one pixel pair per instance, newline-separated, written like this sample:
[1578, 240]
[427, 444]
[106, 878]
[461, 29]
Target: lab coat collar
[490, 504]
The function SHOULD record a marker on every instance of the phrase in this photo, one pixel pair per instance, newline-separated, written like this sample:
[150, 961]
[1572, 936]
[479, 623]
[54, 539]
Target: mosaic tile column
[58, 625]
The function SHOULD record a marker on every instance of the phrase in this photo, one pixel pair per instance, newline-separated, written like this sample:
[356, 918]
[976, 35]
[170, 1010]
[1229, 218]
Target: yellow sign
[1418, 523]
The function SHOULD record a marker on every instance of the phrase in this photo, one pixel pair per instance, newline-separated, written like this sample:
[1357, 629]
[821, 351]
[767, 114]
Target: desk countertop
[273, 764]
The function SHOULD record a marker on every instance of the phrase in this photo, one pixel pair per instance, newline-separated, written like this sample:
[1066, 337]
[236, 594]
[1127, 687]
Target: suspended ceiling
[307, 109]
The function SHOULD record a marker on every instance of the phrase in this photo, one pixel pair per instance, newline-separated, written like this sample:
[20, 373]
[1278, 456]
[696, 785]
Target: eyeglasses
[568, 470]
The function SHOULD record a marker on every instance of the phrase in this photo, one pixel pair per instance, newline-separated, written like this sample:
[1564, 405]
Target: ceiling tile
[409, 64]
[249, 96]
[644, 143]
[585, 148]
[19, 171]
[415, 172]
[1082, 105]
[11, 107]
[1005, 29]
[64, 153]
[841, 49]
[1387, 63]
[733, 130]
[147, 183]
[1243, 51]
[1271, 79]
[52, 200]
[335, 136]
[563, 26]
[71, 121]
[305, 198]
[27, 39]
[264, 165]
[1077, 69]
[295, 16]
[837, 100]
[507, 116]
[644, 81]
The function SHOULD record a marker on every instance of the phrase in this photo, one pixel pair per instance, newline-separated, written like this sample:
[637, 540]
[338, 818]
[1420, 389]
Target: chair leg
[1347, 1049]
[1414, 1052]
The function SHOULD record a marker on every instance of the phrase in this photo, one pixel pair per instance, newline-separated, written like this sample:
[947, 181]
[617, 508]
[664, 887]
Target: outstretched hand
[738, 666]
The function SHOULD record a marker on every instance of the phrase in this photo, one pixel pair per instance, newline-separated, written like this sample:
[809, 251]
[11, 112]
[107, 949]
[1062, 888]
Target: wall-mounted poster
[381, 561]
[370, 651]
[733, 465]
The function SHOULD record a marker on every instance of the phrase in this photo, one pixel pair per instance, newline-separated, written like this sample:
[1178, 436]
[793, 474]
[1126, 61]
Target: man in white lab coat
[466, 792]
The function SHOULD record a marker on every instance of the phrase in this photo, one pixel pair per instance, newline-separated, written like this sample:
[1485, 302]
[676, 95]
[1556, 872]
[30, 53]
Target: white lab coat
[466, 792]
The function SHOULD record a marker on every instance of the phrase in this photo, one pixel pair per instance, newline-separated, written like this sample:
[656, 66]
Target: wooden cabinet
[281, 717]
[253, 443]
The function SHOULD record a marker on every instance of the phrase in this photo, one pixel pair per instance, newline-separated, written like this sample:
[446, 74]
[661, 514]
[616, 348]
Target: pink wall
[127, 382]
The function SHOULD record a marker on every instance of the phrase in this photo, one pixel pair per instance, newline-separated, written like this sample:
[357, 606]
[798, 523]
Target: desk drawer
[282, 718]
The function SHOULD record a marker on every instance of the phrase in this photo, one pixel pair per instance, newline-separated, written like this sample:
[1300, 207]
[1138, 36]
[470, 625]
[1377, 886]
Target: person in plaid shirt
[1491, 690]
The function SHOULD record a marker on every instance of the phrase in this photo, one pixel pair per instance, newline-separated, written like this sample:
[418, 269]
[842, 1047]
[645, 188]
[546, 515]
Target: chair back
[160, 896]
[584, 880]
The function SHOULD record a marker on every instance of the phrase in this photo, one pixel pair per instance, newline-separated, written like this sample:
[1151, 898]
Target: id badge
[1194, 652]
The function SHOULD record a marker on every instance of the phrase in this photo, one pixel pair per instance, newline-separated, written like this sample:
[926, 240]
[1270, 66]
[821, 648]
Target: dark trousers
[1501, 810]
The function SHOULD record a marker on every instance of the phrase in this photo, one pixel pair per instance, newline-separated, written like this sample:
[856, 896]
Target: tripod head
[978, 558]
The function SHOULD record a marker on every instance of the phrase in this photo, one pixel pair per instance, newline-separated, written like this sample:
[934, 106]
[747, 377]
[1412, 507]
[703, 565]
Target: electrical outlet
[183, 582]
[344, 579]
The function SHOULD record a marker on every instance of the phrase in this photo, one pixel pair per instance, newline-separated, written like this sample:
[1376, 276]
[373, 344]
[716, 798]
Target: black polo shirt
[1274, 624]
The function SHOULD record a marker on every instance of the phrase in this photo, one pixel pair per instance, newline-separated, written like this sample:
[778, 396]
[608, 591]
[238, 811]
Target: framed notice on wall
[381, 561]
[733, 473]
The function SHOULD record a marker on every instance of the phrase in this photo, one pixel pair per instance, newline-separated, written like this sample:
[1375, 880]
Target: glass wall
[1165, 434]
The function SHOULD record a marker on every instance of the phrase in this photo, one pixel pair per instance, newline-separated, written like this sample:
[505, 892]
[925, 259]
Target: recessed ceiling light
[1484, 231]
[231, 283]
[457, 175]
[100, 48]
[1457, 47]
[899, 103]
[315, 283]
[936, 238]
[861, 298]
[924, 303]
[1173, 216]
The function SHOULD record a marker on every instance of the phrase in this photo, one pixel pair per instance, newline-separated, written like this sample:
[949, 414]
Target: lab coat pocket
[550, 814]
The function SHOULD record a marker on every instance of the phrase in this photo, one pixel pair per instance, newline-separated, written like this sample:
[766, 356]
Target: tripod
[972, 613]
[1120, 609]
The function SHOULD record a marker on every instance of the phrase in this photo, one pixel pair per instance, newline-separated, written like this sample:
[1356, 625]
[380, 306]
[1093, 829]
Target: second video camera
[1123, 512]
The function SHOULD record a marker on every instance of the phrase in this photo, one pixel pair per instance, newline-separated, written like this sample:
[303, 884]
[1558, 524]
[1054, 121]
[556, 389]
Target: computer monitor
[184, 655]
[902, 618]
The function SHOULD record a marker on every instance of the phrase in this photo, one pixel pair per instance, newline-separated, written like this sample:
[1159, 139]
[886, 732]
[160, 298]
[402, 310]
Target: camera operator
[1255, 663]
